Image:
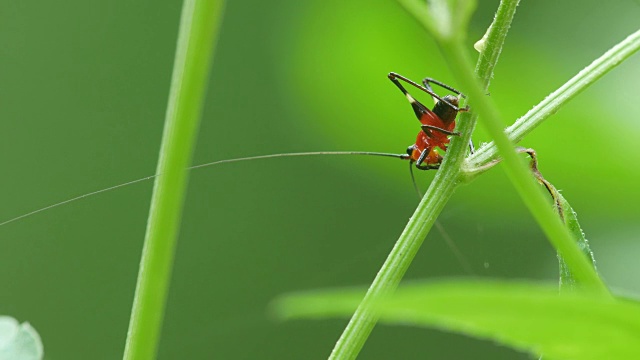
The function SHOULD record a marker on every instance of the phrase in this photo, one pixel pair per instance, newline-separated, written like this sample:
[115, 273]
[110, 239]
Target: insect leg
[435, 128]
[418, 107]
[422, 158]
[427, 81]
[428, 167]
[394, 77]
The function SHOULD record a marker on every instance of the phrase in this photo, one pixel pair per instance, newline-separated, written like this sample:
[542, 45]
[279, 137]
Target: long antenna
[270, 156]
[313, 153]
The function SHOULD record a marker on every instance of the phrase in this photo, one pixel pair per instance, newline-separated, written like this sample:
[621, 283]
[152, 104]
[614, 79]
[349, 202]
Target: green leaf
[526, 316]
[570, 219]
[19, 341]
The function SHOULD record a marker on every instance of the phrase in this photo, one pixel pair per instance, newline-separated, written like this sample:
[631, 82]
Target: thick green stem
[199, 26]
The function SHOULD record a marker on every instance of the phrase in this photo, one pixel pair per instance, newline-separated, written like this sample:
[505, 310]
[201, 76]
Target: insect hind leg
[427, 81]
[426, 129]
[395, 77]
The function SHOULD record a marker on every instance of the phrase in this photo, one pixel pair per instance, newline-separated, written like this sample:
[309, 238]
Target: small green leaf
[19, 341]
[525, 316]
[570, 219]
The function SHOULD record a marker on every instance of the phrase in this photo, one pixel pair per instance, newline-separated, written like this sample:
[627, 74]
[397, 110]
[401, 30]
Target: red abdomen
[429, 140]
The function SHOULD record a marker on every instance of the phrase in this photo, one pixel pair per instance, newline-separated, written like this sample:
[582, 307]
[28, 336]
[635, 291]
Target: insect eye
[410, 150]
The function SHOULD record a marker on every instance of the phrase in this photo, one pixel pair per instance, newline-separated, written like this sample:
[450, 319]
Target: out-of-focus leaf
[525, 316]
[19, 341]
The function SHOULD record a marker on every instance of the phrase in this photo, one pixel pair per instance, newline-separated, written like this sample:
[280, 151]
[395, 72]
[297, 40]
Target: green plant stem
[199, 26]
[441, 189]
[552, 103]
[491, 53]
[520, 175]
[393, 269]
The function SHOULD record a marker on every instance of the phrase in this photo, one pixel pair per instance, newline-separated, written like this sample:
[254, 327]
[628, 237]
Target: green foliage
[575, 266]
[85, 93]
[526, 316]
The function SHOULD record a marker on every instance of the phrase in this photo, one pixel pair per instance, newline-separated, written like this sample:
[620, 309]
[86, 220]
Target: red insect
[437, 124]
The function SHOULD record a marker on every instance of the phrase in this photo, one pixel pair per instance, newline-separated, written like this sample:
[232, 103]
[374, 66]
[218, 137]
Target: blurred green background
[84, 87]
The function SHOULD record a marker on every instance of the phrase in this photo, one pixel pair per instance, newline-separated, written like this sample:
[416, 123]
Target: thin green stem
[441, 189]
[489, 56]
[491, 50]
[199, 26]
[557, 99]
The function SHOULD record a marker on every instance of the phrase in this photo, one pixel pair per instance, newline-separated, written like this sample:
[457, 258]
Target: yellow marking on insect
[410, 98]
